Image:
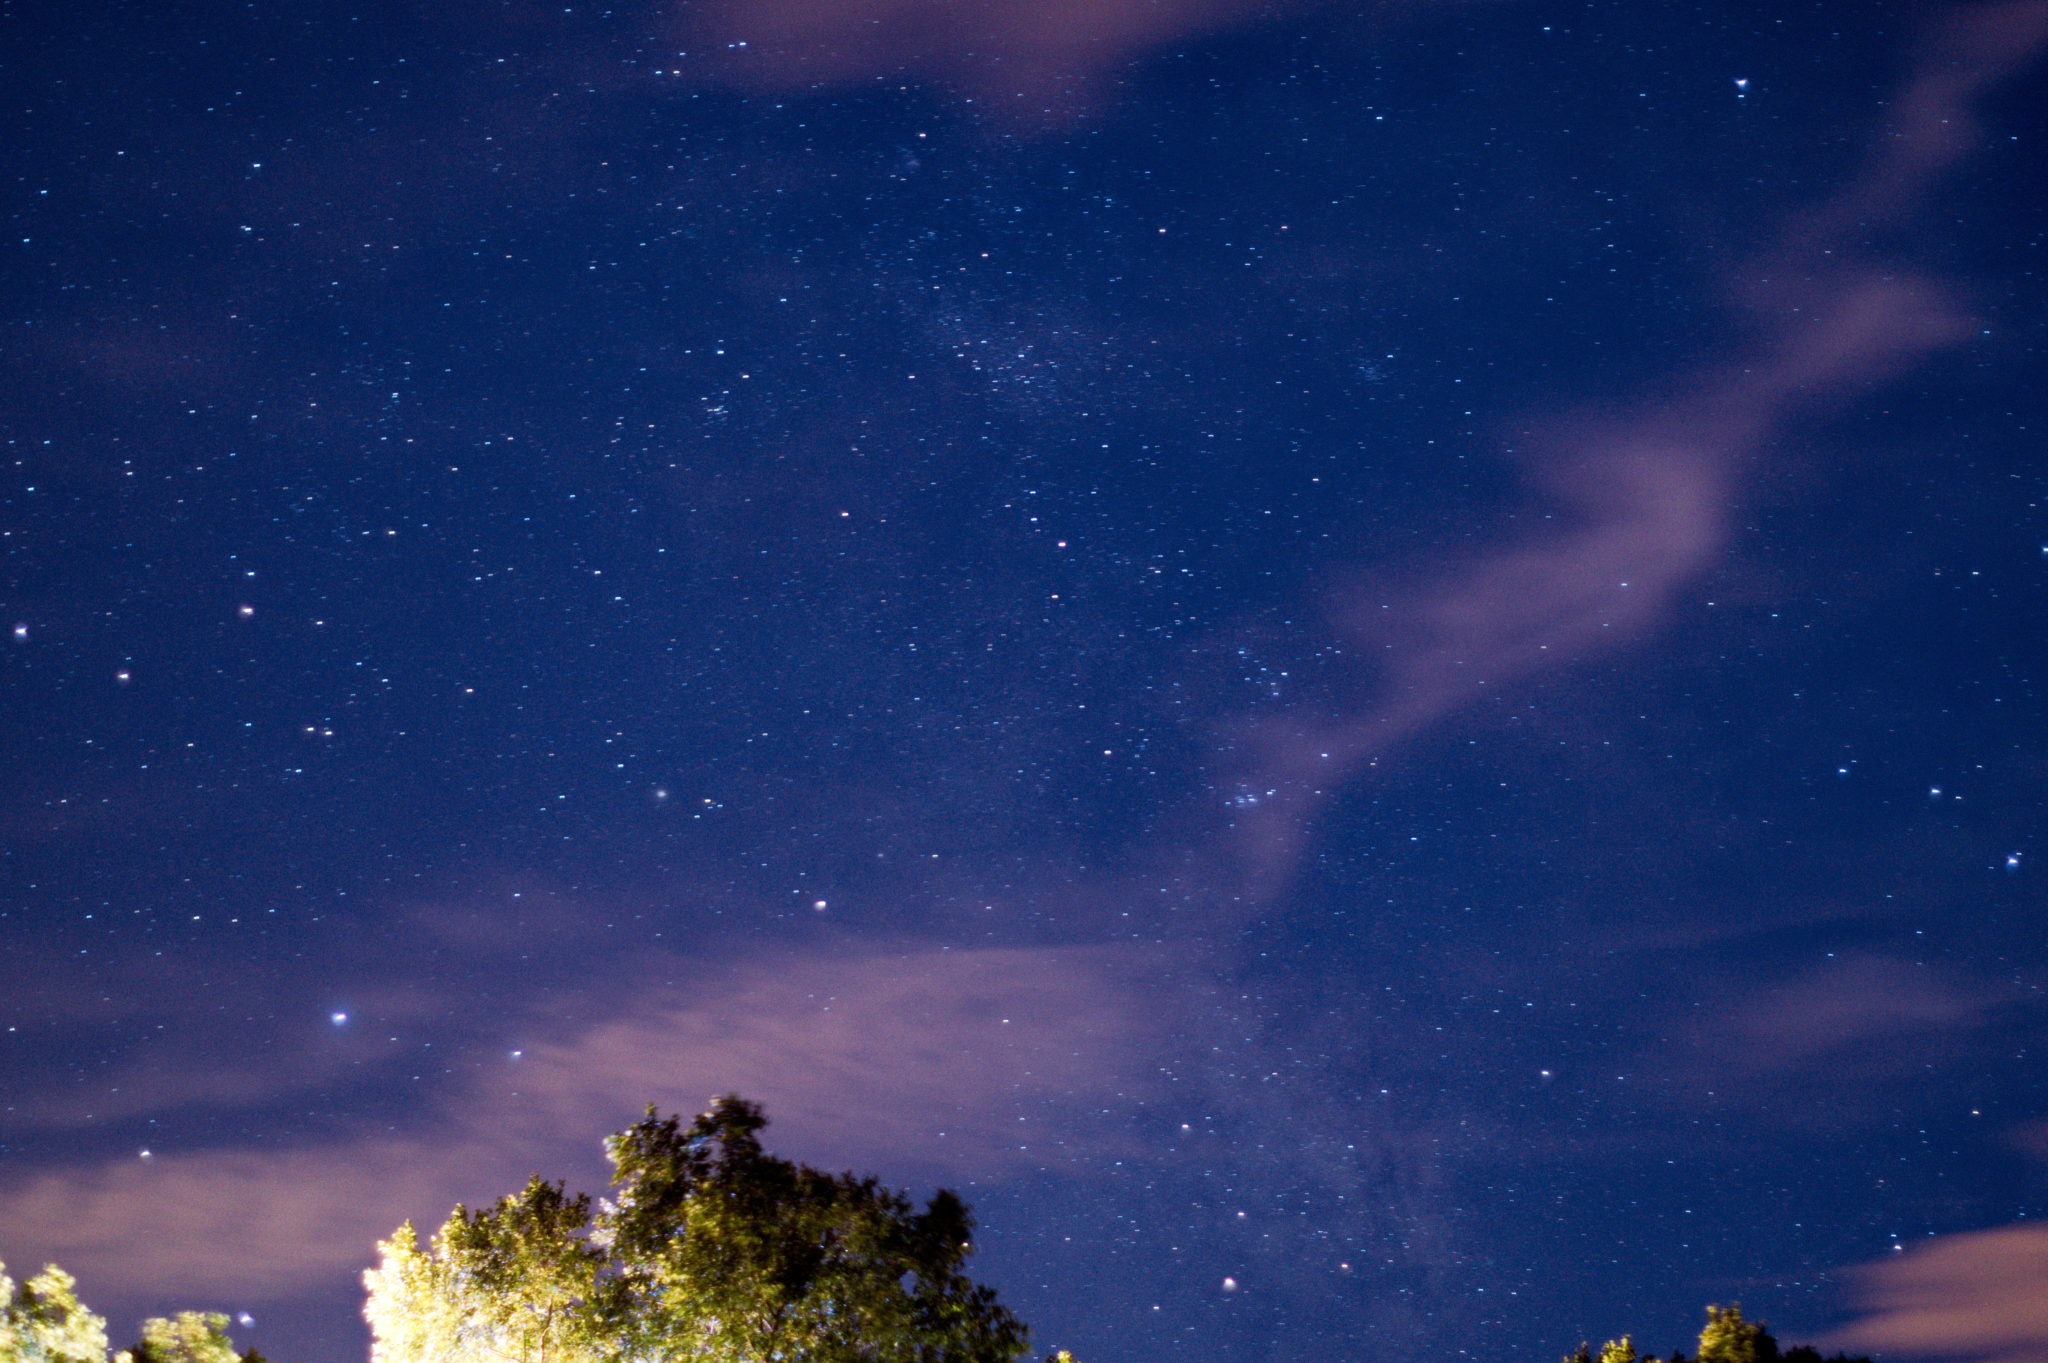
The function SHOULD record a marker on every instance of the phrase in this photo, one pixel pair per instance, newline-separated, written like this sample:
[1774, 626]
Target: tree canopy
[708, 1249]
[42, 1321]
[1726, 1338]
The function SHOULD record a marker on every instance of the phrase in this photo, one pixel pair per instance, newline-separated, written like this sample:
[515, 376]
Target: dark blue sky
[1379, 675]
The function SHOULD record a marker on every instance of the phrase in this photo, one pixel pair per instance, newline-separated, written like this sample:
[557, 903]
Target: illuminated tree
[709, 1250]
[517, 1282]
[43, 1321]
[188, 1337]
[1727, 1338]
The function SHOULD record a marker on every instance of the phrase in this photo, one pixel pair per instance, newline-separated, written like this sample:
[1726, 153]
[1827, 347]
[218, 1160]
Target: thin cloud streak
[1855, 1028]
[1980, 1297]
[1017, 61]
[938, 1051]
[1644, 499]
[241, 1225]
[999, 52]
[948, 1064]
[1935, 124]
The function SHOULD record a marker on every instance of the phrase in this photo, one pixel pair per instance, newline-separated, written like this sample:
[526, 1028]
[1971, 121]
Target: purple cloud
[1980, 1297]
[947, 1064]
[1018, 61]
[1001, 52]
[1636, 505]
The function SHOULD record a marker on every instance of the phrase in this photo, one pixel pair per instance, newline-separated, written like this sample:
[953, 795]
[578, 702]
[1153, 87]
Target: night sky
[1379, 672]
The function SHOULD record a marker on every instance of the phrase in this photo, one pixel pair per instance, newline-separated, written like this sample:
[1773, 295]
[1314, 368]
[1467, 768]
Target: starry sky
[1376, 670]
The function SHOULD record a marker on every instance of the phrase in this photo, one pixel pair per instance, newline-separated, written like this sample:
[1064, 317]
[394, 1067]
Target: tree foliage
[1726, 1338]
[709, 1250]
[42, 1321]
[515, 1282]
[188, 1337]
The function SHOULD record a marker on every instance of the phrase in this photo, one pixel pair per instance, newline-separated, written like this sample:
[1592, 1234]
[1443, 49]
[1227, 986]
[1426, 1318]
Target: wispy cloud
[239, 1224]
[1003, 52]
[1636, 504]
[1029, 61]
[943, 1064]
[950, 1053]
[1860, 1022]
[1980, 1297]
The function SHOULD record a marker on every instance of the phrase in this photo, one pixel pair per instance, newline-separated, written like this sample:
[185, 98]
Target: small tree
[188, 1337]
[1728, 1338]
[44, 1322]
[710, 1249]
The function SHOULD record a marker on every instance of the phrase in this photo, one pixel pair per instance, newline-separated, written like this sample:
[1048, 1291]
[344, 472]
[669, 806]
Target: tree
[1727, 1338]
[709, 1250]
[517, 1282]
[188, 1337]
[44, 1322]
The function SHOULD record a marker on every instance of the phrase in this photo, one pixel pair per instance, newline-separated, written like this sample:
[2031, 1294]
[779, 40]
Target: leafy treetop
[42, 1321]
[1726, 1338]
[709, 1249]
